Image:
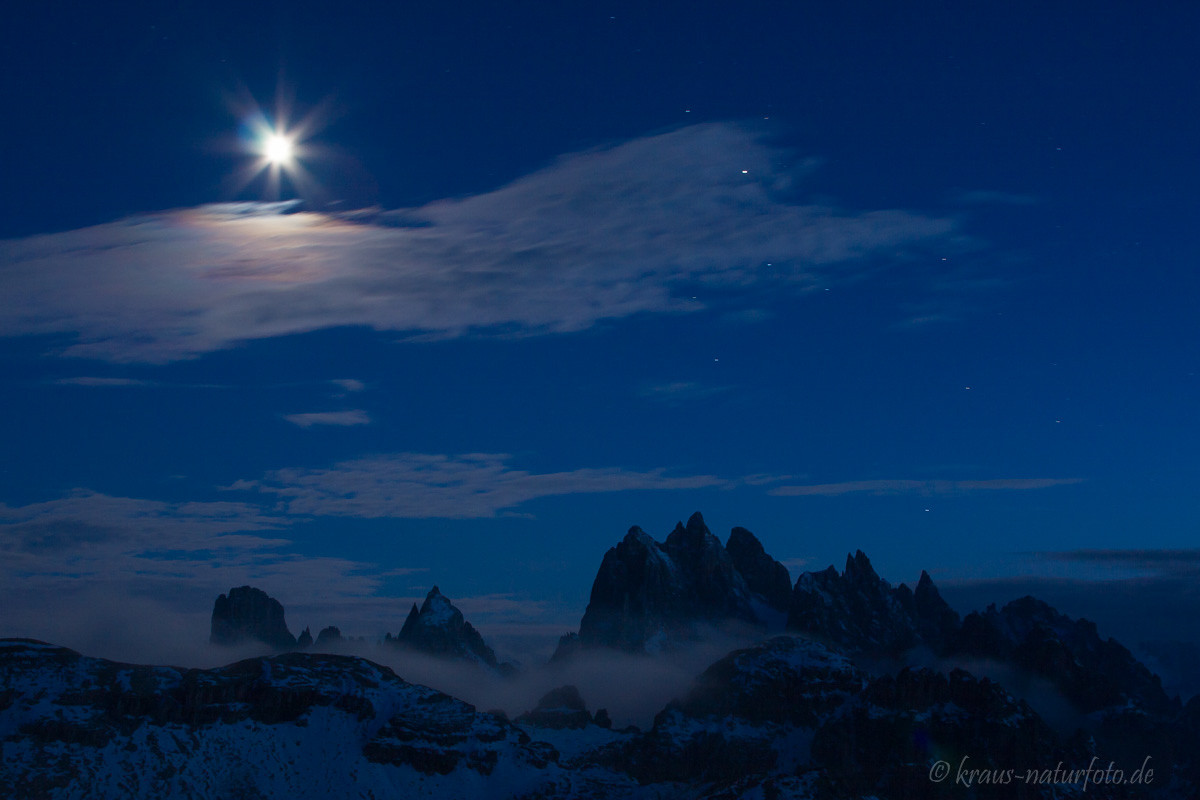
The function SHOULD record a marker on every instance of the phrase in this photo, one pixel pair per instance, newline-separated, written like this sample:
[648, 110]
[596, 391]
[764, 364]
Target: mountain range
[844, 687]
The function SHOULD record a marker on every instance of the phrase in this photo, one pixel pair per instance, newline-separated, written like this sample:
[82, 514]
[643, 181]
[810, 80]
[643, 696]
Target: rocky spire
[411, 620]
[438, 628]
[648, 594]
[936, 621]
[304, 640]
[763, 575]
[856, 609]
[247, 614]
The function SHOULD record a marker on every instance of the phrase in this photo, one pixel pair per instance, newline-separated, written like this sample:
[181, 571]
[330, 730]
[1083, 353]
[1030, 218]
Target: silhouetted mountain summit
[1091, 672]
[648, 595]
[763, 575]
[246, 615]
[861, 612]
[438, 628]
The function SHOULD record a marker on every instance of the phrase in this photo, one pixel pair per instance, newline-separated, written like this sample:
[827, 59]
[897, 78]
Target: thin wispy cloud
[89, 380]
[1172, 560]
[984, 197]
[424, 486]
[341, 419]
[919, 487]
[675, 392]
[598, 235]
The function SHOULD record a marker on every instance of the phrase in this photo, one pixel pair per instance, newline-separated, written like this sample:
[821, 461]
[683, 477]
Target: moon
[278, 149]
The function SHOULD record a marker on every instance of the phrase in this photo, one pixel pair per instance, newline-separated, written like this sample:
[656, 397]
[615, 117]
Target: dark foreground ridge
[788, 718]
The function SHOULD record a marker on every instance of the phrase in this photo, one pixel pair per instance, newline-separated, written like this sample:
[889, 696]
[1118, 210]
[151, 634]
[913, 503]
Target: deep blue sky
[913, 278]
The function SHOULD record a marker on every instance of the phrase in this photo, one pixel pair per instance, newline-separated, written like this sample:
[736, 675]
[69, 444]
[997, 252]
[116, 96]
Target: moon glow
[278, 149]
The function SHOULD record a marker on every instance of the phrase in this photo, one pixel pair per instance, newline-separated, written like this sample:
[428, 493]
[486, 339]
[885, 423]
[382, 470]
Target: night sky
[916, 278]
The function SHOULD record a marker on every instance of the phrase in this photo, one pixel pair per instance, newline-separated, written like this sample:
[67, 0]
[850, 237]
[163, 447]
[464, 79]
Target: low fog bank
[151, 630]
[114, 624]
[633, 688]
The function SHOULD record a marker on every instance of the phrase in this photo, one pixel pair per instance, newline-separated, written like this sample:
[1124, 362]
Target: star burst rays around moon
[277, 148]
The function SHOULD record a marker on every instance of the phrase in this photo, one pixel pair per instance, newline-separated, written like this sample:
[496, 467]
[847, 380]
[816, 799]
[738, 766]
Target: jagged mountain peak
[636, 537]
[438, 610]
[764, 575]
[649, 594]
[1092, 672]
[438, 628]
[859, 610]
[741, 539]
[693, 537]
[411, 620]
[305, 639]
[859, 569]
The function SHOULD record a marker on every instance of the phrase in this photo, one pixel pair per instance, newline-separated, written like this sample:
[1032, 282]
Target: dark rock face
[730, 728]
[247, 614]
[439, 629]
[787, 679]
[763, 575]
[1091, 672]
[445, 735]
[936, 621]
[649, 595]
[885, 744]
[857, 609]
[559, 708]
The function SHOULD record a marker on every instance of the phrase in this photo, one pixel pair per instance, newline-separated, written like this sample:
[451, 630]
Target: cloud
[594, 236]
[919, 487]
[991, 198]
[1163, 560]
[422, 486]
[87, 380]
[676, 392]
[340, 418]
[349, 384]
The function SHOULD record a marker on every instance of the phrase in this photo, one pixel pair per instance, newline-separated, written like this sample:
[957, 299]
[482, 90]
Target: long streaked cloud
[1170, 560]
[423, 485]
[597, 235]
[919, 487]
[93, 381]
[677, 392]
[354, 416]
